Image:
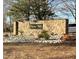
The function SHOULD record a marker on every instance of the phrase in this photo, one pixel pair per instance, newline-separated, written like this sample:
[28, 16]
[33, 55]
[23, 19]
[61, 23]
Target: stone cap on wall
[56, 18]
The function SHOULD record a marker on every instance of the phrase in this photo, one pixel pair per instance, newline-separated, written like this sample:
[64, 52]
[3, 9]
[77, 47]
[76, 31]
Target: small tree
[24, 8]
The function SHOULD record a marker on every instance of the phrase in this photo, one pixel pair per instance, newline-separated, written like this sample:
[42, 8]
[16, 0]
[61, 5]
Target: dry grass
[38, 51]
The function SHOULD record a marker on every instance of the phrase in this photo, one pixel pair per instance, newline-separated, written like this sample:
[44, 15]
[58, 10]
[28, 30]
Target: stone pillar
[15, 28]
[66, 26]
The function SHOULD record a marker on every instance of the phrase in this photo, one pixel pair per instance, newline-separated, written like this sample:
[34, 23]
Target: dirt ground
[38, 51]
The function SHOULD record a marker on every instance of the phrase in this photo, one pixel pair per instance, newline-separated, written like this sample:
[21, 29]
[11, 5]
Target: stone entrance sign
[57, 26]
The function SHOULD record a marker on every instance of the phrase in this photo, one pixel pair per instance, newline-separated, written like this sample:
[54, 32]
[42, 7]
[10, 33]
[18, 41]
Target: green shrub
[40, 35]
[44, 34]
[52, 33]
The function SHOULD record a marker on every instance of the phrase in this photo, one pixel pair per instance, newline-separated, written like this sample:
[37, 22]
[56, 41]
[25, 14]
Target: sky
[57, 12]
[71, 19]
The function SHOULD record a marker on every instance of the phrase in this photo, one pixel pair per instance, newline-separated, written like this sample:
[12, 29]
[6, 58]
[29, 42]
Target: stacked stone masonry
[58, 26]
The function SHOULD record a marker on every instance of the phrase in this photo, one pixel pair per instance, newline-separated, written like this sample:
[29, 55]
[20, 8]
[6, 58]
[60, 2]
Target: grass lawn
[38, 51]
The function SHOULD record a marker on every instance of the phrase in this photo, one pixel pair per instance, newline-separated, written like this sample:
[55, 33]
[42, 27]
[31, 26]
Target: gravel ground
[54, 39]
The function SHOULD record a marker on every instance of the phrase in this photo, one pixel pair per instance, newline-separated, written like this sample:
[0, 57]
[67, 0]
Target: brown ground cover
[39, 51]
